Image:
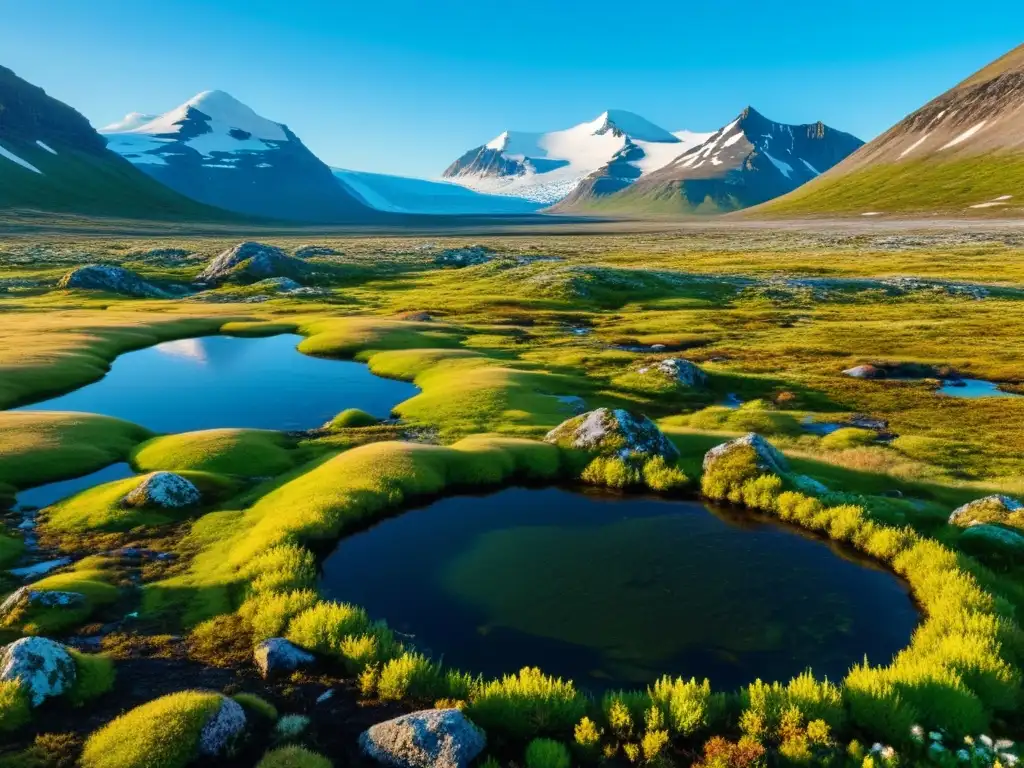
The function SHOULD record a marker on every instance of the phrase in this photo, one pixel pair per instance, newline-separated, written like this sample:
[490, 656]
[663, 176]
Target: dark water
[973, 388]
[225, 381]
[45, 495]
[615, 591]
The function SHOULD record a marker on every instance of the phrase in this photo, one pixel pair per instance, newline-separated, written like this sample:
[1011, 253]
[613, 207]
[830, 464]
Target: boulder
[685, 372]
[609, 431]
[165, 490]
[865, 372]
[223, 729]
[44, 668]
[278, 284]
[990, 509]
[248, 262]
[277, 655]
[464, 257]
[25, 597]
[769, 458]
[99, 277]
[432, 738]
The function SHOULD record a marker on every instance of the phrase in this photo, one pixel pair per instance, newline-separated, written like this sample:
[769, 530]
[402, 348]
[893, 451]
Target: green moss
[94, 676]
[848, 437]
[293, 757]
[15, 706]
[547, 753]
[353, 418]
[753, 416]
[242, 452]
[257, 328]
[10, 550]
[161, 734]
[93, 583]
[257, 706]
[344, 337]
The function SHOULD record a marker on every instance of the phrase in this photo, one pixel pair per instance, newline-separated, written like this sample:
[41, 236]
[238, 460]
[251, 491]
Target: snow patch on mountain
[47, 147]
[14, 158]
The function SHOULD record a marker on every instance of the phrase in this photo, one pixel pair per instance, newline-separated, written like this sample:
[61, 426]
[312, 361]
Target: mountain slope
[399, 194]
[962, 153]
[52, 160]
[545, 167]
[749, 161]
[218, 151]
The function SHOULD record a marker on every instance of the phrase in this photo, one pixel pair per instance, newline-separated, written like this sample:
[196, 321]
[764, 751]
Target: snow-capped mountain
[400, 194]
[52, 159]
[749, 161]
[546, 167]
[215, 149]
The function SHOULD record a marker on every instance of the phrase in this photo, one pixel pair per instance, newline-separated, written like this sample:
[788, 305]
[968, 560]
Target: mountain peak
[632, 125]
[223, 112]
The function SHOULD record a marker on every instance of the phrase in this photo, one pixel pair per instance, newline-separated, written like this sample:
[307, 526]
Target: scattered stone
[165, 490]
[25, 597]
[685, 372]
[223, 729]
[40, 569]
[990, 509]
[44, 668]
[432, 738]
[769, 458]
[865, 372]
[99, 277]
[309, 251]
[615, 431]
[325, 696]
[248, 262]
[464, 257]
[277, 655]
[278, 283]
[416, 317]
[868, 422]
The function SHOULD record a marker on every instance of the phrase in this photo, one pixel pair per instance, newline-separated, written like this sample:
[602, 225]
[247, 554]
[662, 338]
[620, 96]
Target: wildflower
[1008, 758]
[888, 753]
[876, 748]
[986, 740]
[1003, 744]
[917, 733]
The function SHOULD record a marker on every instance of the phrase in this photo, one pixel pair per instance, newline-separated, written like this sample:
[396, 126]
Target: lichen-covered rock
[44, 668]
[464, 257]
[248, 262]
[278, 283]
[619, 432]
[277, 655]
[990, 509]
[165, 490]
[769, 458]
[687, 373]
[865, 372]
[25, 597]
[432, 738]
[223, 729]
[100, 277]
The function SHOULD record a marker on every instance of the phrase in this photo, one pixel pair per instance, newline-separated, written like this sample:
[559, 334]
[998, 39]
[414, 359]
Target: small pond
[44, 495]
[973, 388]
[226, 381]
[614, 591]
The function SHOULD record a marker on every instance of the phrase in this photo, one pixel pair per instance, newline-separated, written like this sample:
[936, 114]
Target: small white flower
[1003, 744]
[876, 748]
[917, 732]
[888, 753]
[986, 740]
[1009, 759]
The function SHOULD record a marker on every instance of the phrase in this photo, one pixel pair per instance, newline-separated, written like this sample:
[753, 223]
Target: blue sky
[406, 86]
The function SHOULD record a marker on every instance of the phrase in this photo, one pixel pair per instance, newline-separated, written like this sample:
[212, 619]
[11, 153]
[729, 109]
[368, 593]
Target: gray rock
[278, 283]
[464, 257]
[25, 597]
[865, 372]
[44, 668]
[165, 490]
[99, 277]
[249, 262]
[687, 373]
[277, 655]
[223, 729]
[769, 458]
[615, 431]
[990, 509]
[432, 738]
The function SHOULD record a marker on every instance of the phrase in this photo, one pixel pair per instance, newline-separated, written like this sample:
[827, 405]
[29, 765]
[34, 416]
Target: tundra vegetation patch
[699, 365]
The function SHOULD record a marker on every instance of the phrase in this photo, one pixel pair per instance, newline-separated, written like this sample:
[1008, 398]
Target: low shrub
[15, 706]
[293, 757]
[326, 626]
[547, 753]
[729, 474]
[283, 567]
[687, 706]
[611, 472]
[257, 707]
[94, 676]
[268, 613]
[414, 676]
[659, 475]
[587, 736]
[527, 705]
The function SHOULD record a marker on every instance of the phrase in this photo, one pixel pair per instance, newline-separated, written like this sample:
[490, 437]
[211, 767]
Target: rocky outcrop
[164, 490]
[607, 431]
[865, 372]
[432, 738]
[769, 458]
[24, 598]
[990, 509]
[250, 262]
[44, 668]
[687, 373]
[278, 656]
[223, 729]
[99, 277]
[464, 257]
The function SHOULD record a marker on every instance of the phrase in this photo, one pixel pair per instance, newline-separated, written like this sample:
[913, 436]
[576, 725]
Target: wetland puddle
[615, 591]
[226, 381]
[973, 388]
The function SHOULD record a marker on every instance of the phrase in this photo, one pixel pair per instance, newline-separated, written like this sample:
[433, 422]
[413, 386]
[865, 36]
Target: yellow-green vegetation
[547, 753]
[353, 418]
[10, 550]
[94, 676]
[161, 734]
[89, 578]
[15, 706]
[38, 447]
[242, 452]
[257, 706]
[293, 757]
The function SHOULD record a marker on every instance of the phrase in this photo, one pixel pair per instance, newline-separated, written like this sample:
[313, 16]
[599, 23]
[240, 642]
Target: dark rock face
[97, 277]
[249, 262]
[484, 161]
[28, 114]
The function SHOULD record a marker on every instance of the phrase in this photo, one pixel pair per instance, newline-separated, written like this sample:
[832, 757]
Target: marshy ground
[505, 337]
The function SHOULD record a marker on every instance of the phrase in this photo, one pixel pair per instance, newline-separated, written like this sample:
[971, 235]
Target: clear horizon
[406, 89]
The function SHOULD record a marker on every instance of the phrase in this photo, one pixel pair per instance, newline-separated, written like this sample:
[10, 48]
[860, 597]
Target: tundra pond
[226, 381]
[613, 591]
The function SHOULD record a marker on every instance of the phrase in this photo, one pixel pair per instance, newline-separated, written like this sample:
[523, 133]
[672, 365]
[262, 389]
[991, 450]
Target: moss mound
[293, 757]
[353, 418]
[242, 452]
